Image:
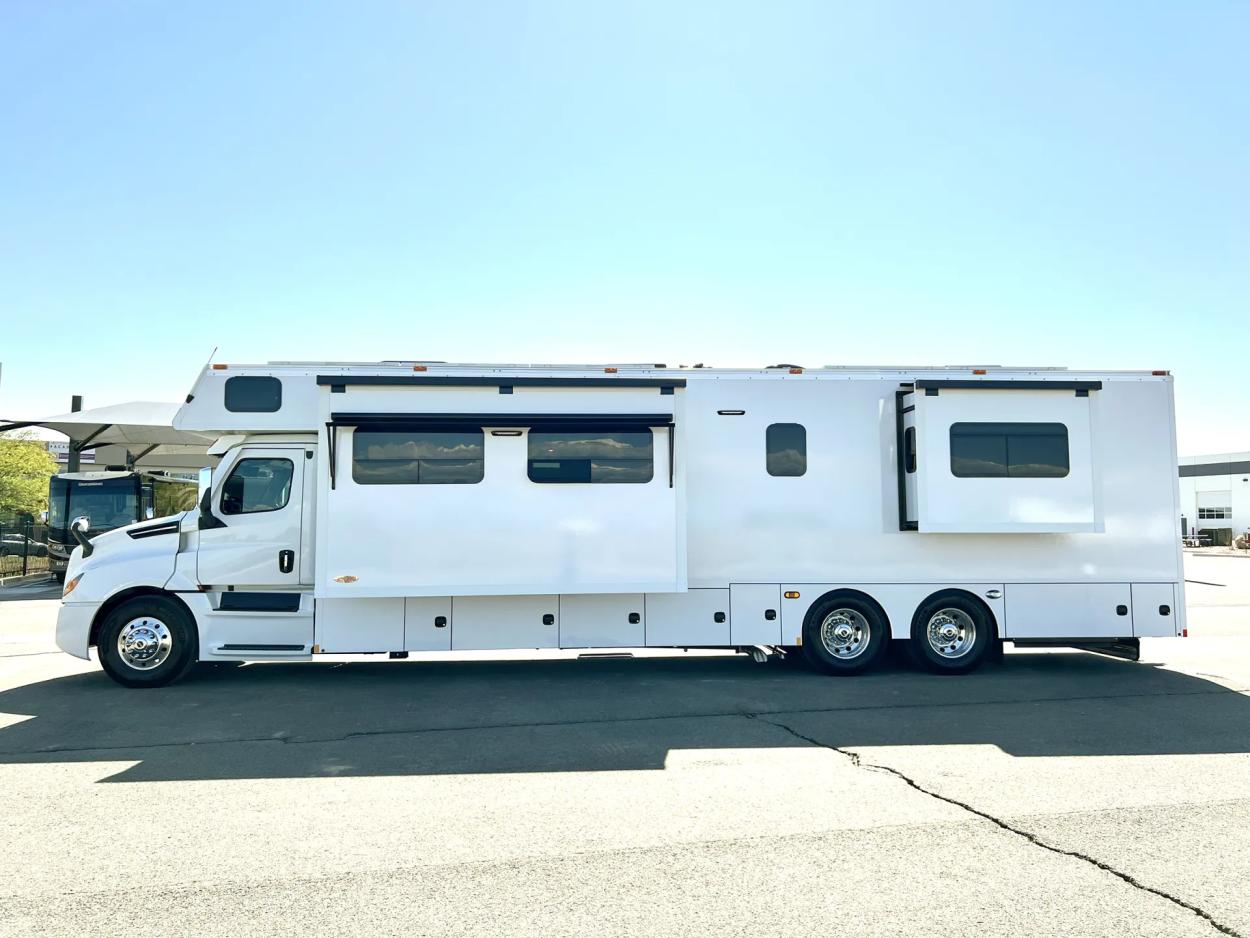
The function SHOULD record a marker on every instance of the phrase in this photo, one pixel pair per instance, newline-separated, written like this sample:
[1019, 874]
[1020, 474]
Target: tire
[845, 634]
[59, 576]
[143, 624]
[952, 633]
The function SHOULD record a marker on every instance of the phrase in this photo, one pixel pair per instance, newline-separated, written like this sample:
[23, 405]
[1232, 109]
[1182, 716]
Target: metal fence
[23, 549]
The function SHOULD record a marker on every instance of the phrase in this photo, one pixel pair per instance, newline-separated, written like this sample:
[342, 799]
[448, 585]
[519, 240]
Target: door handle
[286, 561]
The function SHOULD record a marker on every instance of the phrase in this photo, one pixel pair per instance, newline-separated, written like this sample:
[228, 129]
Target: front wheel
[951, 634]
[148, 641]
[844, 635]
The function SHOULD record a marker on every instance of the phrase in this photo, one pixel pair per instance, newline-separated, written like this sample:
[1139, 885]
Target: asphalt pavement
[1056, 793]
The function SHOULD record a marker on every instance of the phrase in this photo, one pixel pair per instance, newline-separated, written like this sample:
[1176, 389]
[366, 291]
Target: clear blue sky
[928, 183]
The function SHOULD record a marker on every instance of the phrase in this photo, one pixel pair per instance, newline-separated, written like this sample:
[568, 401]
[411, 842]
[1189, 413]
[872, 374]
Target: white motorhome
[403, 507]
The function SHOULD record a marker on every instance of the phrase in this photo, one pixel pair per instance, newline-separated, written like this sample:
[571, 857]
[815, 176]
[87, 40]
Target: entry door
[252, 539]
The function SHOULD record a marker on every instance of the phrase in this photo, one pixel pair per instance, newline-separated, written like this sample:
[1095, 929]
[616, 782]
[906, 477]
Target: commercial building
[1215, 496]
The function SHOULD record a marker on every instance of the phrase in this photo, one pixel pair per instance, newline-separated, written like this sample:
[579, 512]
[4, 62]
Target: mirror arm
[87, 548]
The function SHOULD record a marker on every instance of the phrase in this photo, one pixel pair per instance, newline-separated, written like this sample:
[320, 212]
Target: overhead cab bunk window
[591, 455]
[418, 457]
[253, 394]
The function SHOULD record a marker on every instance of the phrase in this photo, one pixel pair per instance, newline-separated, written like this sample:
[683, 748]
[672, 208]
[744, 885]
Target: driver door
[251, 538]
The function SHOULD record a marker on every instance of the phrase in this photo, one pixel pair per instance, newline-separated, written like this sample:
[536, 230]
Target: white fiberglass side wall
[839, 522]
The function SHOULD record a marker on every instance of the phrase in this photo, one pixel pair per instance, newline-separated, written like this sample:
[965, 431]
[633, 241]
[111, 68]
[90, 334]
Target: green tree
[25, 467]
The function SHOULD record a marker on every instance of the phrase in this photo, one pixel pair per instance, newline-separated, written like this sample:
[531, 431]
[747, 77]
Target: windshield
[109, 503]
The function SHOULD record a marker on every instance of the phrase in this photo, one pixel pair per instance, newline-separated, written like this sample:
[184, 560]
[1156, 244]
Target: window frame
[590, 428]
[769, 455]
[221, 497]
[1006, 435]
[414, 433]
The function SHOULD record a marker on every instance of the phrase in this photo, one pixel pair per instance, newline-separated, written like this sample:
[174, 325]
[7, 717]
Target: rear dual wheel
[952, 633]
[845, 634]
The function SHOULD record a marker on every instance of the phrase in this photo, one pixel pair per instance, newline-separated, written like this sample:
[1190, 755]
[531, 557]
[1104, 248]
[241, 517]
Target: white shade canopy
[137, 425]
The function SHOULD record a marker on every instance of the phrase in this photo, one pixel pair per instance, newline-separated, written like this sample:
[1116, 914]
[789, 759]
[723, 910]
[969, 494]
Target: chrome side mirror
[81, 523]
[149, 513]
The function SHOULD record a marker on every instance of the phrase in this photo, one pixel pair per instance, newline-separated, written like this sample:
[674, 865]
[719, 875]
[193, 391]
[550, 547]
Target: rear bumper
[73, 628]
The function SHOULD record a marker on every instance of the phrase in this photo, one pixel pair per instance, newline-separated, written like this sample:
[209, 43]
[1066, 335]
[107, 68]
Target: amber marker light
[69, 586]
[791, 594]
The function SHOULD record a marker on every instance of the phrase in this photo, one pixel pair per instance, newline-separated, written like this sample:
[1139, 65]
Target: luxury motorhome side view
[398, 507]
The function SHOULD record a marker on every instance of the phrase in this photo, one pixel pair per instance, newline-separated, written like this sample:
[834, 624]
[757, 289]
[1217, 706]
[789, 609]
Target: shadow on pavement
[432, 718]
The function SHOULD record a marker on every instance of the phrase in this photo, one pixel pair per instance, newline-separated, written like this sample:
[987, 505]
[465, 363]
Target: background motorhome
[109, 500]
[404, 507]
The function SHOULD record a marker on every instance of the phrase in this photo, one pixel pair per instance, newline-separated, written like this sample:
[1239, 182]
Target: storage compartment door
[356, 626]
[1154, 609]
[613, 621]
[427, 623]
[694, 618]
[755, 614]
[484, 622]
[993, 460]
[1068, 610]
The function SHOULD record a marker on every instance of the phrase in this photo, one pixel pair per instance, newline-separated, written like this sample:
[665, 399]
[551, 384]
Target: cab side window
[257, 485]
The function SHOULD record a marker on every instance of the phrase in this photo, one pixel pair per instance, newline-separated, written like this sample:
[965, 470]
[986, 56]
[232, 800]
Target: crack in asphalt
[1032, 838]
[287, 739]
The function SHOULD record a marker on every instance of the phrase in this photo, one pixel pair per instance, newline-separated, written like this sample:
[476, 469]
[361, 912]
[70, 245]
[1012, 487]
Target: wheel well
[844, 593]
[124, 596]
[961, 594]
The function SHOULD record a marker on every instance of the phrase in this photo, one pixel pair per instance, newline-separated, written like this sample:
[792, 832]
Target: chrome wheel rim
[144, 643]
[845, 634]
[951, 633]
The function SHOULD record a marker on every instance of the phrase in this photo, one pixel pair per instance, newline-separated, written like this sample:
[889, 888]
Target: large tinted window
[254, 394]
[108, 503]
[1015, 450]
[257, 485]
[786, 446]
[591, 456]
[417, 457]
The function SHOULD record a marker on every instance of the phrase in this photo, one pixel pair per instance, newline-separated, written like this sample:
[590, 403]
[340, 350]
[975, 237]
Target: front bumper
[73, 628]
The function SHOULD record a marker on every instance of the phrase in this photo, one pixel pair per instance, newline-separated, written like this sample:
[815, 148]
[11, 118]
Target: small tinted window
[591, 456]
[417, 457]
[253, 394]
[909, 449]
[786, 446]
[1009, 450]
[257, 485]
